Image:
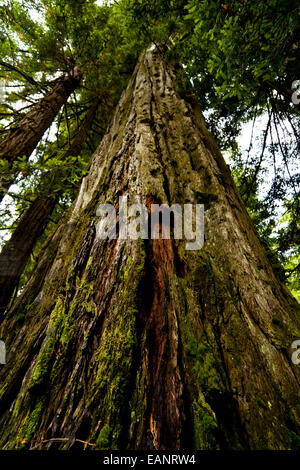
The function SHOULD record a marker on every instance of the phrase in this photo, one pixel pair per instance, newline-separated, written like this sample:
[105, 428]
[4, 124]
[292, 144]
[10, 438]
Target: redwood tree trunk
[142, 344]
[24, 137]
[17, 250]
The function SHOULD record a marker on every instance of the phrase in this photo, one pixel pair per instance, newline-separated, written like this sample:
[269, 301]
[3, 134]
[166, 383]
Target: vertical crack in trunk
[165, 419]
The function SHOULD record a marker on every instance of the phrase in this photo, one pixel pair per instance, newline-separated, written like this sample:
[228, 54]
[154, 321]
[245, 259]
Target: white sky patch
[103, 2]
[37, 16]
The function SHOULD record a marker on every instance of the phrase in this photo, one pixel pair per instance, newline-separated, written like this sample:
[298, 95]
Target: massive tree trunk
[24, 137]
[142, 344]
[17, 250]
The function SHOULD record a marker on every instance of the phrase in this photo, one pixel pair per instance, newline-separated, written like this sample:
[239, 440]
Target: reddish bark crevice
[165, 416]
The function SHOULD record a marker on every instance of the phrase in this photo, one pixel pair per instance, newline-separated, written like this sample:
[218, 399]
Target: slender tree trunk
[16, 252]
[142, 344]
[23, 139]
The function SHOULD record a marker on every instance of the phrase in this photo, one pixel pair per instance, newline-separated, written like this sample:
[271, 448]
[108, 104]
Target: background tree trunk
[17, 250]
[24, 137]
[142, 344]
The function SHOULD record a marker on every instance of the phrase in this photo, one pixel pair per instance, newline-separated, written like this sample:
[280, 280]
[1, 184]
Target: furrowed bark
[17, 250]
[24, 137]
[143, 344]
